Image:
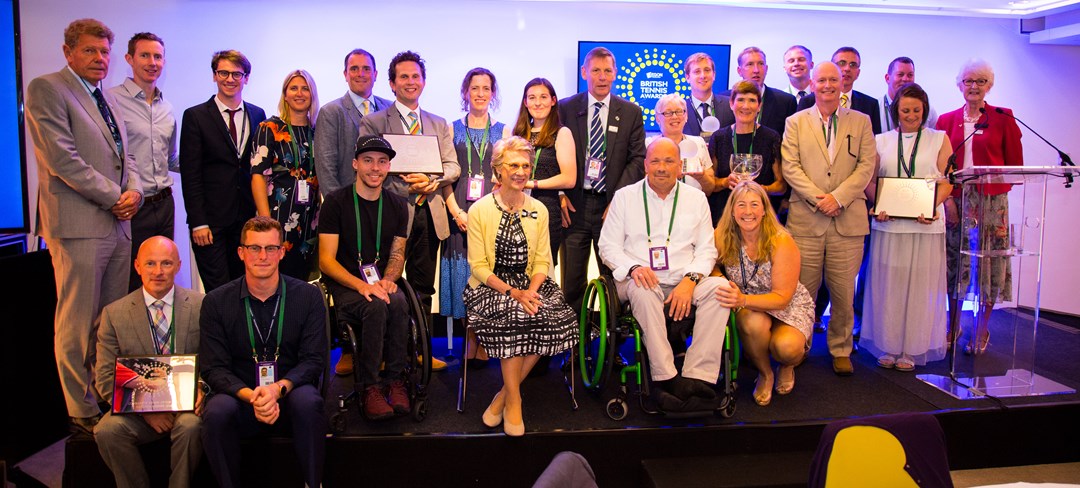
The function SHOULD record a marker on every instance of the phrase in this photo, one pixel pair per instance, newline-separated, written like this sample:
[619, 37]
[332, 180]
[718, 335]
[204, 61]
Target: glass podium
[1000, 243]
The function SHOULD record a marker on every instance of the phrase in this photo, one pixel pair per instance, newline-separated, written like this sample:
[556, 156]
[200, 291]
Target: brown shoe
[375, 406]
[344, 366]
[399, 397]
[841, 365]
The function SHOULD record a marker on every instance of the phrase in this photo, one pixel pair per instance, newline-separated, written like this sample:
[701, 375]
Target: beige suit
[832, 243]
[80, 177]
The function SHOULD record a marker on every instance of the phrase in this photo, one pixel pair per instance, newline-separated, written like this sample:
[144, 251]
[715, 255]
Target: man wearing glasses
[848, 60]
[263, 349]
[776, 105]
[828, 153]
[215, 169]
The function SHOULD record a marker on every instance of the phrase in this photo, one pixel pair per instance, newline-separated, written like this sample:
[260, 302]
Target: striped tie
[161, 326]
[598, 147]
[414, 124]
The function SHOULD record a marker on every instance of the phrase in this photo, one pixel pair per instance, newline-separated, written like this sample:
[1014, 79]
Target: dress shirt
[85, 84]
[793, 91]
[829, 135]
[697, 108]
[151, 134]
[603, 115]
[624, 240]
[243, 122]
[358, 102]
[167, 299]
[404, 111]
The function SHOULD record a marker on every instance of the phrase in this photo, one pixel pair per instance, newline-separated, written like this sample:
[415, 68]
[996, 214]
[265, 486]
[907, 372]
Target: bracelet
[744, 298]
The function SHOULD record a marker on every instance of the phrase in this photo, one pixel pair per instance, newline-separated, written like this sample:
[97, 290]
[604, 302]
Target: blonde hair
[729, 238]
[512, 144]
[283, 108]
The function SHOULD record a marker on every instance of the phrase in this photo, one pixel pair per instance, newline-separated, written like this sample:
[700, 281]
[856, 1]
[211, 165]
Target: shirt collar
[245, 292]
[85, 84]
[606, 101]
[168, 298]
[652, 193]
[403, 110]
[222, 107]
[135, 91]
[358, 101]
[697, 102]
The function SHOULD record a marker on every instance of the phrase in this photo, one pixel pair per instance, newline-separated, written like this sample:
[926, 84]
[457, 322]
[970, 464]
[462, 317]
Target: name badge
[267, 372]
[476, 188]
[613, 128]
[978, 132]
[303, 191]
[658, 258]
[593, 170]
[370, 273]
[692, 166]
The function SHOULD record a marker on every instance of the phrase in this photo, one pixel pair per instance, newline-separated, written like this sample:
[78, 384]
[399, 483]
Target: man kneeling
[362, 234]
[658, 241]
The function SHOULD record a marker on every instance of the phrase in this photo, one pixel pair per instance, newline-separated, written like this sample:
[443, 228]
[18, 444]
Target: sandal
[784, 387]
[886, 361]
[763, 398]
[905, 363]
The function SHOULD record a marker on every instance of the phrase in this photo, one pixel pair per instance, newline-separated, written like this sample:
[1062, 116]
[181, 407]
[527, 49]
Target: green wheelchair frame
[600, 340]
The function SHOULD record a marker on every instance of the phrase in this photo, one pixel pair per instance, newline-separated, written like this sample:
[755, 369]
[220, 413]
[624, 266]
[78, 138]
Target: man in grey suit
[428, 223]
[88, 191]
[828, 158]
[128, 328]
[339, 122]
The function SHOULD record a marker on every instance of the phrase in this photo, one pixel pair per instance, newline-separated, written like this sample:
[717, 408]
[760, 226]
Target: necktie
[161, 326]
[106, 114]
[888, 116]
[705, 112]
[365, 107]
[414, 124]
[799, 97]
[844, 100]
[598, 146]
[232, 125]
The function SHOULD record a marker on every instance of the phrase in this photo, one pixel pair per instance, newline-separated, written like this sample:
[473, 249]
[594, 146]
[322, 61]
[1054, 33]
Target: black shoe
[83, 425]
[681, 387]
[702, 389]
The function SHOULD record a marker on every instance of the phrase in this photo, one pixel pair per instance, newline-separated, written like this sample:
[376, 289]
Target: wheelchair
[606, 325]
[417, 374]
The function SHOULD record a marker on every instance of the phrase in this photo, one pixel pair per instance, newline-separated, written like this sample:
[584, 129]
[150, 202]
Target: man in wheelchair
[362, 233]
[657, 239]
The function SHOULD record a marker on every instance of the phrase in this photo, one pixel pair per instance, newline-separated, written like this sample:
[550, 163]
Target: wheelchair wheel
[419, 338]
[617, 408]
[419, 409]
[727, 406]
[596, 347]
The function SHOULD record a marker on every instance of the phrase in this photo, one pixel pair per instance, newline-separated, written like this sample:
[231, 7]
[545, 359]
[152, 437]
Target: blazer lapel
[218, 121]
[843, 132]
[580, 107]
[183, 315]
[614, 119]
[393, 121]
[812, 120]
[139, 318]
[90, 105]
[351, 111]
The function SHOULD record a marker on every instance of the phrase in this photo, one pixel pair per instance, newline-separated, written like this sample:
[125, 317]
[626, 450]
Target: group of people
[272, 202]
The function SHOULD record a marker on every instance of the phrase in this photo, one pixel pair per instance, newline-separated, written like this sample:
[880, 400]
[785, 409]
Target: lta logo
[649, 75]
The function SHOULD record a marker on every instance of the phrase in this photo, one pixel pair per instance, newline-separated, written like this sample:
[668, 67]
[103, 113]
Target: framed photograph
[905, 198]
[147, 384]
[415, 154]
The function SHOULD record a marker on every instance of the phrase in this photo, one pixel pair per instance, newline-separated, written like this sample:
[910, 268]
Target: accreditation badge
[267, 372]
[303, 191]
[370, 273]
[476, 188]
[658, 258]
[592, 171]
[692, 166]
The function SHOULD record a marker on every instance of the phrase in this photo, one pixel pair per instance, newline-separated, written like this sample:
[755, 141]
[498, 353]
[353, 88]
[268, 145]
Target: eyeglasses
[256, 250]
[852, 64]
[980, 82]
[673, 113]
[224, 75]
[515, 167]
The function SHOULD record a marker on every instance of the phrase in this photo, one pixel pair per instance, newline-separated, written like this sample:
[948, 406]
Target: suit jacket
[625, 143]
[125, 331]
[80, 173]
[807, 169]
[388, 121]
[693, 116]
[217, 183]
[335, 141]
[860, 102]
[776, 107]
[997, 145]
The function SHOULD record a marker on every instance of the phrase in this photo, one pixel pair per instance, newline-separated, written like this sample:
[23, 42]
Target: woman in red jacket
[996, 142]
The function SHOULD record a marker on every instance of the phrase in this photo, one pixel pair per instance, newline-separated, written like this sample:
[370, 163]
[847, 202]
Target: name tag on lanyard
[476, 188]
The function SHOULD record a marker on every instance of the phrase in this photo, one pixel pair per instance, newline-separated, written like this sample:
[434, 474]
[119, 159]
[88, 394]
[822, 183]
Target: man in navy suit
[215, 169]
[776, 106]
[700, 73]
[798, 62]
[609, 134]
[850, 63]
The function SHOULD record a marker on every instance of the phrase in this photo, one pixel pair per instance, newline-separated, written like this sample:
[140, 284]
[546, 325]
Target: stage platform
[758, 446]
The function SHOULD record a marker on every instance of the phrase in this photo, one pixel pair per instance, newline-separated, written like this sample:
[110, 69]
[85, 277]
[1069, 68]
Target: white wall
[521, 40]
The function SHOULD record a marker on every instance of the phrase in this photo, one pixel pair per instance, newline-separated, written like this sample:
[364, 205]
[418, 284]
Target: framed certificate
[415, 154]
[905, 198]
[147, 384]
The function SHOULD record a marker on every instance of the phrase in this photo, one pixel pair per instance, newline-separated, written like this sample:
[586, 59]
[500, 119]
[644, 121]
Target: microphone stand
[1065, 159]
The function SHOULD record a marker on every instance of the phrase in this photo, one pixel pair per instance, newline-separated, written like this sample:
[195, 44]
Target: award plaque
[147, 384]
[415, 154]
[905, 198]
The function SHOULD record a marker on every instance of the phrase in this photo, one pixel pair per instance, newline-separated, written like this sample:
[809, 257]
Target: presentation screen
[13, 213]
[646, 71]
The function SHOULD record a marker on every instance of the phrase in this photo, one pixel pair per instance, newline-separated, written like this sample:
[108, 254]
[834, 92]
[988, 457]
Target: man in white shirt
[901, 72]
[798, 62]
[660, 254]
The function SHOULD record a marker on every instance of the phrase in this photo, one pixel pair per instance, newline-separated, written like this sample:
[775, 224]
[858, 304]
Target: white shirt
[603, 114]
[697, 106]
[702, 156]
[404, 119]
[243, 124]
[794, 91]
[624, 240]
[167, 309]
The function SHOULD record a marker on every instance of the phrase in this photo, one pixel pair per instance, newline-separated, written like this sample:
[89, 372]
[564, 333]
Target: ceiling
[967, 8]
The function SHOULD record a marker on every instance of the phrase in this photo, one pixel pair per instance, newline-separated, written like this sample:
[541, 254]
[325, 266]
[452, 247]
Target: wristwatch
[695, 277]
[508, 290]
[284, 389]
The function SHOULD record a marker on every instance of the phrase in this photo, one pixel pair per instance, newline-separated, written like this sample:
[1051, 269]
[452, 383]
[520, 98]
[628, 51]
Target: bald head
[826, 80]
[663, 165]
[157, 263]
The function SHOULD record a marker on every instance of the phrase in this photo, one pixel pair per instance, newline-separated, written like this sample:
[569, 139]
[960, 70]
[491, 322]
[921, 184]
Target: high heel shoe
[511, 429]
[784, 387]
[765, 397]
[493, 420]
[977, 347]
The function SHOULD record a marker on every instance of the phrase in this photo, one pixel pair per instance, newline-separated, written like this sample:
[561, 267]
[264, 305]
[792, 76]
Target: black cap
[373, 143]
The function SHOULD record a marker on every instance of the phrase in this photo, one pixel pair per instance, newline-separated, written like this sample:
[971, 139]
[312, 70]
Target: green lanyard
[378, 228]
[900, 154]
[648, 223]
[735, 141]
[481, 149]
[280, 320]
[833, 125]
[536, 162]
[171, 335]
[296, 147]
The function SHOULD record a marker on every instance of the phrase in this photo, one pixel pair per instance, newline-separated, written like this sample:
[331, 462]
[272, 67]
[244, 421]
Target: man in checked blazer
[215, 169]
[126, 330]
[339, 123]
[429, 223]
[88, 191]
[829, 155]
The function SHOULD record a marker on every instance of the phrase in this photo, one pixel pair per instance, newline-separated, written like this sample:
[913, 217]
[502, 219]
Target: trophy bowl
[745, 166]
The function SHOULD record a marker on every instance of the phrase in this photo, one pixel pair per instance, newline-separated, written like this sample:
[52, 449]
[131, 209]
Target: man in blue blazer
[339, 122]
[776, 105]
[700, 72]
[215, 169]
[850, 63]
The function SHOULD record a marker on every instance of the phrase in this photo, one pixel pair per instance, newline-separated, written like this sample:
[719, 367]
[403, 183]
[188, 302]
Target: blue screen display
[13, 213]
[647, 71]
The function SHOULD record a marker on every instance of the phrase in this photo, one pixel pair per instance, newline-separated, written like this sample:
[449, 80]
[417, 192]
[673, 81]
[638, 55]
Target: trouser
[383, 330]
[422, 249]
[582, 237]
[219, 262]
[839, 257]
[118, 439]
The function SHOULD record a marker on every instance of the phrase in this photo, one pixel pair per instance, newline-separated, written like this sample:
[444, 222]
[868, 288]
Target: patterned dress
[798, 314]
[284, 156]
[501, 324]
[454, 266]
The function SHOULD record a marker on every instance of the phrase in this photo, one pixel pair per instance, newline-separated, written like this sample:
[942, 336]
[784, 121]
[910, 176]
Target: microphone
[1065, 160]
[950, 166]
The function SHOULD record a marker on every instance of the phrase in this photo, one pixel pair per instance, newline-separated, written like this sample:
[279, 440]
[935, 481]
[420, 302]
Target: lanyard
[419, 123]
[294, 145]
[536, 162]
[648, 223]
[745, 277]
[378, 227]
[900, 154]
[735, 141]
[834, 126]
[481, 149]
[280, 319]
[171, 336]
